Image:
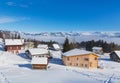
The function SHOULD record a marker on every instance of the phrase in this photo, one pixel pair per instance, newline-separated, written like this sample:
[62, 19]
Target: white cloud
[10, 3]
[7, 20]
[12, 19]
[17, 4]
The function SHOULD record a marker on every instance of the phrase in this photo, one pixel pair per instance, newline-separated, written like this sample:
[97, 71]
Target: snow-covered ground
[17, 69]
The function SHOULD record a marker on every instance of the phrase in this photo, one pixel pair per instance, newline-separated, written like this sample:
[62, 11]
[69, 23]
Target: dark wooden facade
[114, 57]
[39, 66]
[13, 48]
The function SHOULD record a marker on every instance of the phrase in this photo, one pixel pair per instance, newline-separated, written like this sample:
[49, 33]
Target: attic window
[95, 58]
[77, 58]
[86, 59]
[68, 58]
[85, 65]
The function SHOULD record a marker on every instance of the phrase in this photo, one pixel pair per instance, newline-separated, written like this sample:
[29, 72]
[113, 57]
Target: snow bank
[7, 59]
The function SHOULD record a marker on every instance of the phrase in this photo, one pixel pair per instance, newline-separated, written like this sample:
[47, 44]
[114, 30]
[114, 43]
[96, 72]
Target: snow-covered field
[16, 69]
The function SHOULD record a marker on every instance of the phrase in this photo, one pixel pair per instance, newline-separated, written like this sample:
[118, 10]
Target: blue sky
[60, 15]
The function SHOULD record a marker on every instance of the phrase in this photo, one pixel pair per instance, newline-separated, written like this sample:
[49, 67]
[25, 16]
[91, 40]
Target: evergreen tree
[19, 37]
[1, 34]
[74, 44]
[15, 36]
[50, 43]
[12, 36]
[66, 45]
[35, 43]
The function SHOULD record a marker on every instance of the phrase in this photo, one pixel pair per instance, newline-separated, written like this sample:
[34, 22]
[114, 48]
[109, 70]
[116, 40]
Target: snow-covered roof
[43, 46]
[39, 60]
[35, 51]
[118, 53]
[76, 52]
[1, 40]
[14, 41]
[97, 48]
[56, 46]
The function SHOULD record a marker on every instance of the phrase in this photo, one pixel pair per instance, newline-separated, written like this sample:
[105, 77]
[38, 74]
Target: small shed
[97, 50]
[115, 56]
[29, 45]
[42, 46]
[39, 63]
[56, 47]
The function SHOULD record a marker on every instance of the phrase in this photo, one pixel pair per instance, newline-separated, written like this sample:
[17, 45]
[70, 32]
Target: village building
[1, 40]
[80, 58]
[115, 56]
[43, 46]
[14, 45]
[2, 45]
[56, 47]
[39, 62]
[97, 50]
[29, 45]
[37, 52]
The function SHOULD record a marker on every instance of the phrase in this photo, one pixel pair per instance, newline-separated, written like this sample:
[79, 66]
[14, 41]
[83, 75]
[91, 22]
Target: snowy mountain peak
[67, 34]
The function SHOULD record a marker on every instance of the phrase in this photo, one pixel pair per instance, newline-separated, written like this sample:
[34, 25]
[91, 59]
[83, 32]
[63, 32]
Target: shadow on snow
[29, 66]
[56, 61]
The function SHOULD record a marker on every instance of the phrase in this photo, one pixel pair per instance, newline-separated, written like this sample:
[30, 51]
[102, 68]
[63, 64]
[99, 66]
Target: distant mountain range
[60, 36]
[78, 36]
[69, 34]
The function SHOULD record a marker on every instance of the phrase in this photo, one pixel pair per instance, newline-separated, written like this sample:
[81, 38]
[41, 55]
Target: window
[77, 58]
[76, 64]
[95, 58]
[82, 65]
[86, 59]
[90, 64]
[68, 58]
[85, 65]
[10, 48]
[70, 64]
[17, 47]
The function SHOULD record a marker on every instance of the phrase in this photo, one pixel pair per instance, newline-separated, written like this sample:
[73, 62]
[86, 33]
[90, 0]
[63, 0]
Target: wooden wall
[14, 48]
[86, 60]
[39, 66]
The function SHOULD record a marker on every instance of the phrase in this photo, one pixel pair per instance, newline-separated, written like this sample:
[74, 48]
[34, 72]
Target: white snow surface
[39, 60]
[15, 69]
[42, 46]
[97, 48]
[76, 52]
[56, 46]
[14, 41]
[35, 51]
[56, 54]
[118, 53]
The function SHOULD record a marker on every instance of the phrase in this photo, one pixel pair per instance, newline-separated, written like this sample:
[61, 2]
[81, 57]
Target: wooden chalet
[80, 58]
[29, 45]
[14, 45]
[97, 50]
[39, 63]
[37, 52]
[115, 56]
